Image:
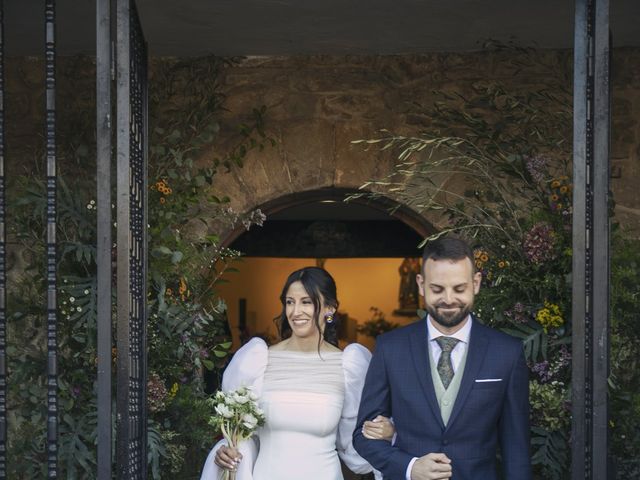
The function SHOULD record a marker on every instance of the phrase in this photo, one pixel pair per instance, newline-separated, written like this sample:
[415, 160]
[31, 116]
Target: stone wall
[318, 104]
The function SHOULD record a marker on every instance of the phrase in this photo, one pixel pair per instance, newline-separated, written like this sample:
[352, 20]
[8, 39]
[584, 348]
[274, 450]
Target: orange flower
[502, 264]
[162, 200]
[484, 257]
[555, 184]
[554, 198]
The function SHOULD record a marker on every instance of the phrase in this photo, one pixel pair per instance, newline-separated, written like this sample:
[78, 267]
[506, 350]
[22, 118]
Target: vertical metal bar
[3, 277]
[131, 55]
[591, 241]
[579, 272]
[123, 115]
[144, 92]
[50, 135]
[600, 235]
[104, 275]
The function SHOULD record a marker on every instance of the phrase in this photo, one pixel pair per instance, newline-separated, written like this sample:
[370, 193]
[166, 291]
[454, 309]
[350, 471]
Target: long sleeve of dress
[246, 368]
[355, 361]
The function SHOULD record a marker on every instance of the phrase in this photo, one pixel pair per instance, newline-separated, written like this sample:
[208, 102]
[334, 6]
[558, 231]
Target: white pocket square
[482, 380]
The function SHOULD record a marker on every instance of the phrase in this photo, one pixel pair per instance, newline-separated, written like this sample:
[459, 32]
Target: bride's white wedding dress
[310, 402]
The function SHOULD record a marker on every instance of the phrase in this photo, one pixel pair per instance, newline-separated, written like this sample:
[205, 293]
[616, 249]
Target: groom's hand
[433, 466]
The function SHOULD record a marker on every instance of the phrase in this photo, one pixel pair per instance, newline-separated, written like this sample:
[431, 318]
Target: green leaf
[176, 256]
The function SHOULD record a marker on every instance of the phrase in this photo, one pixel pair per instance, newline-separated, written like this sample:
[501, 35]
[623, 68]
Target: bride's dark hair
[321, 287]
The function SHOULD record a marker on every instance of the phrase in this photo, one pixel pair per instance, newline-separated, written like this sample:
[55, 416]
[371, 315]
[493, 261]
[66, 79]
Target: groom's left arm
[514, 422]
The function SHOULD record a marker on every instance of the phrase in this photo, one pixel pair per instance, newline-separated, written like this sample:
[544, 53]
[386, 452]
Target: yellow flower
[484, 257]
[169, 292]
[502, 264]
[550, 316]
[555, 184]
[564, 189]
[478, 264]
[174, 391]
[554, 197]
[162, 200]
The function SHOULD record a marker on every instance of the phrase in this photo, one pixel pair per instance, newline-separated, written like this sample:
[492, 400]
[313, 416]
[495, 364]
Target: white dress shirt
[456, 355]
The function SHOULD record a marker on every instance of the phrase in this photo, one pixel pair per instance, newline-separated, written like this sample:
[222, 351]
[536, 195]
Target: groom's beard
[449, 320]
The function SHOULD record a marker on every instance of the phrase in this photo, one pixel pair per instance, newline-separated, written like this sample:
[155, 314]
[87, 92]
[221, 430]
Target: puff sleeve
[247, 369]
[355, 362]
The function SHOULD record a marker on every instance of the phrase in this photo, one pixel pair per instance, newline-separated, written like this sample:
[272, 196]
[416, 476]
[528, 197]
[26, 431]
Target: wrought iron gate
[131, 165]
[131, 125]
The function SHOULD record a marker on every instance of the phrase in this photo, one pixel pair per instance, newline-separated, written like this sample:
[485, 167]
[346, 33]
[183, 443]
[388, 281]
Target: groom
[456, 389]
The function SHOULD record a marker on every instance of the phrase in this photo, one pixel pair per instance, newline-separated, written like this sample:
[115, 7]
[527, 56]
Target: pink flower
[539, 243]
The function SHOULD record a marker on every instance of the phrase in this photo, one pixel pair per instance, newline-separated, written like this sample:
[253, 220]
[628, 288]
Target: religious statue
[408, 295]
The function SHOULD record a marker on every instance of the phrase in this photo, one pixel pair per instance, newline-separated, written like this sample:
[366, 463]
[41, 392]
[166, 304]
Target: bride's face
[299, 309]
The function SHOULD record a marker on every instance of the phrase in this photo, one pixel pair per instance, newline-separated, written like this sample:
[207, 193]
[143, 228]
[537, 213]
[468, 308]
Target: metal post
[580, 366]
[3, 276]
[104, 274]
[52, 342]
[123, 114]
[600, 234]
[590, 302]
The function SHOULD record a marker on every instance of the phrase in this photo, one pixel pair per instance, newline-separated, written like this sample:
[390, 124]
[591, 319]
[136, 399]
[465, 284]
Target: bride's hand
[228, 458]
[380, 428]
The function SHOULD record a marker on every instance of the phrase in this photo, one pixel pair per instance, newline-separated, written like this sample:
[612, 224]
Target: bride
[309, 390]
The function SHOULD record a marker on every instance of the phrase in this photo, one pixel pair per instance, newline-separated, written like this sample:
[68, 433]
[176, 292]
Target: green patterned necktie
[445, 367]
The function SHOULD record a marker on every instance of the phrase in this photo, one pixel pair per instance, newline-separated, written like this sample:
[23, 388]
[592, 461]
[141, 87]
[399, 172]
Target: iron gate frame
[131, 265]
[591, 241]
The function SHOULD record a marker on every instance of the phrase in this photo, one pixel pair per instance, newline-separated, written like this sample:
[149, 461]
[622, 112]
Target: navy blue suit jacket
[485, 414]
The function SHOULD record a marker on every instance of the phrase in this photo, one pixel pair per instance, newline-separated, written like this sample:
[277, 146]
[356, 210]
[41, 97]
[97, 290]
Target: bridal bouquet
[237, 416]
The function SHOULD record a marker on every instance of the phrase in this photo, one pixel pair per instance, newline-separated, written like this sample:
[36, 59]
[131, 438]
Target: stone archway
[357, 209]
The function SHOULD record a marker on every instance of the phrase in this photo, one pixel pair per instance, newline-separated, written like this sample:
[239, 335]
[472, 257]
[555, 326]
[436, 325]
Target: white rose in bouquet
[237, 416]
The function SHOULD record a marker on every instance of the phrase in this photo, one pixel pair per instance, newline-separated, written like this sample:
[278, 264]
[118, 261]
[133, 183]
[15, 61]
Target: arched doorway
[363, 243]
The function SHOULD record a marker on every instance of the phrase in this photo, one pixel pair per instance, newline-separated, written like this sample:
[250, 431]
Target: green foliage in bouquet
[508, 148]
[187, 328]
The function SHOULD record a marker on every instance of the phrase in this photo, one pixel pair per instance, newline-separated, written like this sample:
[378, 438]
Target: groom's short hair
[447, 248]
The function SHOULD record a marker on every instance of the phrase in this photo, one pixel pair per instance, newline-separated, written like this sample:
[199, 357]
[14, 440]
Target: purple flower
[565, 356]
[539, 243]
[542, 370]
[75, 391]
[517, 313]
[536, 167]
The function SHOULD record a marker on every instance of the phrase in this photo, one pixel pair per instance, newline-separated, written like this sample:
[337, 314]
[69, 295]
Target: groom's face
[448, 288]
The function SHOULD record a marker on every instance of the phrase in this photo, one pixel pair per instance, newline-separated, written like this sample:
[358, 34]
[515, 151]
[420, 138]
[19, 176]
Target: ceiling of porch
[289, 27]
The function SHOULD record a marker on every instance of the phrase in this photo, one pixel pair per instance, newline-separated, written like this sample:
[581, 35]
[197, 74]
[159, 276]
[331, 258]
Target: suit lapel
[477, 349]
[420, 354]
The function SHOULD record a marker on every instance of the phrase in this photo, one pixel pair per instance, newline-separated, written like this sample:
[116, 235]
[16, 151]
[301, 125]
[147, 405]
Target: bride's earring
[328, 318]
